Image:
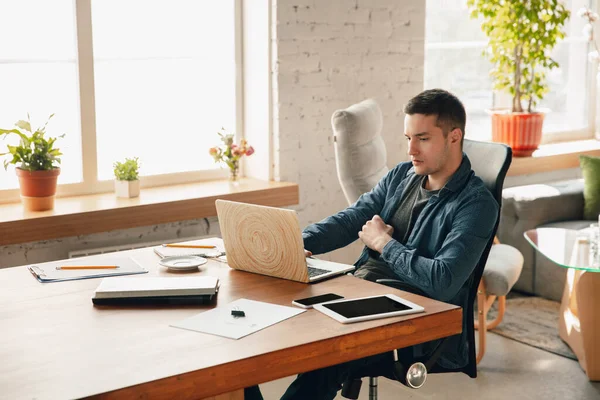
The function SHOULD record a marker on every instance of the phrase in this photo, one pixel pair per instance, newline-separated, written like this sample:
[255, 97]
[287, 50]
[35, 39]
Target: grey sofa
[527, 207]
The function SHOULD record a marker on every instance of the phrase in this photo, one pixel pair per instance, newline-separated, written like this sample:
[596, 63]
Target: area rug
[533, 321]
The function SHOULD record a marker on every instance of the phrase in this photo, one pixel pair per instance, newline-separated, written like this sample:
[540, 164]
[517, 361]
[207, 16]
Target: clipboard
[49, 273]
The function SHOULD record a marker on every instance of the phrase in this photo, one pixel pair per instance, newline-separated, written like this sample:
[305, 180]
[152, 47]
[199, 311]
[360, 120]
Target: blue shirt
[442, 250]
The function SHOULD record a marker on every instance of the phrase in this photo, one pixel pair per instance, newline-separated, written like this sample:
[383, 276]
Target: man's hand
[307, 253]
[375, 234]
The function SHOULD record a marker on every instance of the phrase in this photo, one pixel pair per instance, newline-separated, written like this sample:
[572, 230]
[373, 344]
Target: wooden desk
[54, 344]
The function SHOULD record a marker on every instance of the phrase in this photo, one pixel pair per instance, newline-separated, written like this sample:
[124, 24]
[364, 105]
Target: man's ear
[456, 135]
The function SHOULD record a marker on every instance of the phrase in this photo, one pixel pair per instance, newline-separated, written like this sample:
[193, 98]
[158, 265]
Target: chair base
[373, 388]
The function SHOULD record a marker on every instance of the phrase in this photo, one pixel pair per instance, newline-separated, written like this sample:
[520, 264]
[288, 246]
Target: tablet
[366, 308]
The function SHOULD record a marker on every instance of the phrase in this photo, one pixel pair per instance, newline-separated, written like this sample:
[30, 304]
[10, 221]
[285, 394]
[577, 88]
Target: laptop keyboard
[312, 272]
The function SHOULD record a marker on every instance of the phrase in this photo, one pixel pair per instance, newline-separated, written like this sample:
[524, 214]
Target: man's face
[427, 147]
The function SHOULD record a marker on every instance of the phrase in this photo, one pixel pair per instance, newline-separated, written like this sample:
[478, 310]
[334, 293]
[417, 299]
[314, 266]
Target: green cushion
[590, 169]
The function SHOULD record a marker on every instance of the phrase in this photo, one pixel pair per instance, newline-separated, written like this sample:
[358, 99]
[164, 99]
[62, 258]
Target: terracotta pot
[521, 131]
[38, 188]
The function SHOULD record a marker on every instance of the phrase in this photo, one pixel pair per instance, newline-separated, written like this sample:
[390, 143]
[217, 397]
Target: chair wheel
[414, 376]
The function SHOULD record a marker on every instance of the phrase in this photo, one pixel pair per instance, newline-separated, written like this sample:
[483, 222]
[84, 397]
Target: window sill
[80, 215]
[552, 157]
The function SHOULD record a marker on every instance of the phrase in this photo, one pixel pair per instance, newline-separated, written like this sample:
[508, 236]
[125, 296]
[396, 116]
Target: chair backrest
[490, 162]
[360, 154]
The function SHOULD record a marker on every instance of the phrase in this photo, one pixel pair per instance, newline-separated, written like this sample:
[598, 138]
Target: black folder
[155, 301]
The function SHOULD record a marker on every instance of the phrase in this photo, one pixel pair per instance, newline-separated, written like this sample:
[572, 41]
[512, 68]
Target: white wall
[329, 55]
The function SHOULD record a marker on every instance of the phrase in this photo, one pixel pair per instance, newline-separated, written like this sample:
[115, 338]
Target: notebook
[156, 290]
[268, 241]
[50, 272]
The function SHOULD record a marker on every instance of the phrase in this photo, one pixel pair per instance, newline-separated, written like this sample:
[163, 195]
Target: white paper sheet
[219, 321]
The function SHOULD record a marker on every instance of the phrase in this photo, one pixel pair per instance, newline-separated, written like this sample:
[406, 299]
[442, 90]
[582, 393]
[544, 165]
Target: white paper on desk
[219, 321]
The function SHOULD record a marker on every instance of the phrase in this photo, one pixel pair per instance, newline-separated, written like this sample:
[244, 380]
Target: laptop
[268, 241]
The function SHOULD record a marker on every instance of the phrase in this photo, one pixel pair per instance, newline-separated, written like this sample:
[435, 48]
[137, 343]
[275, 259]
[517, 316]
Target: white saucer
[182, 263]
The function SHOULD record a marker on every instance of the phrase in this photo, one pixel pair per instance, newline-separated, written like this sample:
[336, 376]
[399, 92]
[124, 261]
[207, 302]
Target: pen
[190, 246]
[88, 267]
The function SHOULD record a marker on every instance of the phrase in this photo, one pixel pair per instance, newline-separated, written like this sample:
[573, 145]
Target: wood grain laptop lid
[263, 240]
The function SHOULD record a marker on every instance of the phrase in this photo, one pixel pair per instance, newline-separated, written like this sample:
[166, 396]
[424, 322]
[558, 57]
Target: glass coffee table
[579, 321]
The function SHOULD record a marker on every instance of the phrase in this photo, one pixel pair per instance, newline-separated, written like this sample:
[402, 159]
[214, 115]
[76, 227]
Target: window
[125, 78]
[38, 75]
[454, 61]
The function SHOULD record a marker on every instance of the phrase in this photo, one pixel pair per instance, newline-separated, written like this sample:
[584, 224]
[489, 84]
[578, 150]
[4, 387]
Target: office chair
[490, 161]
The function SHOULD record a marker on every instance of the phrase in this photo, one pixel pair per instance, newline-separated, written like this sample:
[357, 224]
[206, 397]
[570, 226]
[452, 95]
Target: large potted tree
[37, 163]
[522, 34]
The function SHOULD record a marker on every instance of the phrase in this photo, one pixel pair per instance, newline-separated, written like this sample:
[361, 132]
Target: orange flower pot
[521, 131]
[38, 188]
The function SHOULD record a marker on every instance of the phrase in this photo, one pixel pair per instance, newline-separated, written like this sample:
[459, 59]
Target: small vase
[234, 174]
[127, 189]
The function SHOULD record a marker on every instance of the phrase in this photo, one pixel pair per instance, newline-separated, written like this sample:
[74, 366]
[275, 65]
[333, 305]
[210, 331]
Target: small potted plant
[127, 178]
[37, 163]
[521, 36]
[231, 153]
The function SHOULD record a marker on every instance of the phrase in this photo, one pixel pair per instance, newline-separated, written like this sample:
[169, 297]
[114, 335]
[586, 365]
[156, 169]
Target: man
[426, 223]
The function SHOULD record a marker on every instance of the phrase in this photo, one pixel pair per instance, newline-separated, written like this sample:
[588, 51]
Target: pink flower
[213, 151]
[236, 152]
[250, 151]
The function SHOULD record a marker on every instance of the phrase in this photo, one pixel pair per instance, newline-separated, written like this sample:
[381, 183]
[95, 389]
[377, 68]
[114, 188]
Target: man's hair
[447, 107]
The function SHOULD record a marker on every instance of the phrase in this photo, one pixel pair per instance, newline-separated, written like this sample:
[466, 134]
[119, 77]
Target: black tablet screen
[370, 306]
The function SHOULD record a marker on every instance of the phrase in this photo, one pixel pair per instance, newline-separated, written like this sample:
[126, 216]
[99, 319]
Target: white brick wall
[329, 55]
[57, 249]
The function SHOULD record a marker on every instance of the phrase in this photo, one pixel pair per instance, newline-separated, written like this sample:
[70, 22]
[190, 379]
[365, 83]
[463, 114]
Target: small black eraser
[238, 313]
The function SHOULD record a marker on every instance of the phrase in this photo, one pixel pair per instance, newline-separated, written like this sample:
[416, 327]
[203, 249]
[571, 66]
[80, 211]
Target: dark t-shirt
[403, 220]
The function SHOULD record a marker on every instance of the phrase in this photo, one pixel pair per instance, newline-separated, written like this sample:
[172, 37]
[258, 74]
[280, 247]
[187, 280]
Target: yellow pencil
[88, 267]
[190, 246]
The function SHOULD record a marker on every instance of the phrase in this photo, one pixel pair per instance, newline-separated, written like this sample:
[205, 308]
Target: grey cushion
[502, 269]
[530, 206]
[360, 153]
